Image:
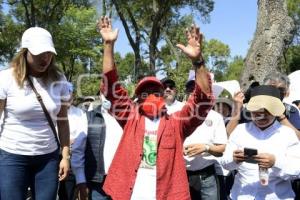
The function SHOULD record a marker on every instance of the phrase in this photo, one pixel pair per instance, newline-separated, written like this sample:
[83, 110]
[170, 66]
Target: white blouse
[25, 129]
[276, 140]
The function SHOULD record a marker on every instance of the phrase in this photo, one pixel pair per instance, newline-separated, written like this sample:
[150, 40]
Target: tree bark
[273, 34]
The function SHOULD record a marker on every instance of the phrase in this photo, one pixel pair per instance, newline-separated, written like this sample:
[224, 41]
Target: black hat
[168, 82]
[247, 93]
[189, 86]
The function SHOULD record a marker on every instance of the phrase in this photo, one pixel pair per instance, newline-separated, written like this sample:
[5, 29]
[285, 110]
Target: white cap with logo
[37, 40]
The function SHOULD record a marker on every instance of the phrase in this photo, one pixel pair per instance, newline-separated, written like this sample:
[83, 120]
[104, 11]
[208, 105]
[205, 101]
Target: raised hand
[238, 97]
[105, 27]
[194, 40]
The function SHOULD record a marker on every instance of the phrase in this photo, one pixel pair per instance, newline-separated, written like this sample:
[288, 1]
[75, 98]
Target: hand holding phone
[249, 153]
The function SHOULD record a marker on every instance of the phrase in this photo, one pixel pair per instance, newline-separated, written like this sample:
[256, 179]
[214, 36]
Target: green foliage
[9, 37]
[38, 12]
[126, 66]
[149, 20]
[234, 69]
[292, 59]
[217, 54]
[174, 33]
[177, 66]
[292, 55]
[74, 32]
[130, 87]
[294, 11]
[144, 10]
[77, 33]
[180, 75]
[172, 61]
[87, 85]
[72, 24]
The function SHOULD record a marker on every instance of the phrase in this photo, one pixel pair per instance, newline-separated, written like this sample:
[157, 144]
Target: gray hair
[277, 77]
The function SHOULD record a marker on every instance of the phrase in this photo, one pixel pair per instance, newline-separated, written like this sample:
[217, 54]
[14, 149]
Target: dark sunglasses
[170, 86]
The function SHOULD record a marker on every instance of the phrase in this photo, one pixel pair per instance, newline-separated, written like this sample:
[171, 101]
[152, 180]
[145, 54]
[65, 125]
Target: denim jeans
[96, 192]
[18, 172]
[203, 187]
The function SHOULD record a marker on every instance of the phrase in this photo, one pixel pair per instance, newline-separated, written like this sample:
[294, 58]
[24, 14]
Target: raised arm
[201, 101]
[112, 90]
[193, 51]
[238, 100]
[109, 37]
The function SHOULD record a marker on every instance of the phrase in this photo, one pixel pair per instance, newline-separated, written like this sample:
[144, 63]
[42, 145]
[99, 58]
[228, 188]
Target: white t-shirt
[211, 131]
[77, 122]
[145, 183]
[113, 136]
[174, 107]
[26, 130]
[277, 140]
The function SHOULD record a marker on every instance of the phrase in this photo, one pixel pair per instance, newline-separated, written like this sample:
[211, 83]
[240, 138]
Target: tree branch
[27, 15]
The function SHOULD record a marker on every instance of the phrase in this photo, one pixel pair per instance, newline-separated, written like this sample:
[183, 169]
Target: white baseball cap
[37, 40]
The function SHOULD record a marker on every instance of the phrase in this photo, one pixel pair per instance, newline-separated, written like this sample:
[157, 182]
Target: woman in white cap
[32, 96]
[257, 150]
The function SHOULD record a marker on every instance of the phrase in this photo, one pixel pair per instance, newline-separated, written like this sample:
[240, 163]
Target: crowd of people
[112, 146]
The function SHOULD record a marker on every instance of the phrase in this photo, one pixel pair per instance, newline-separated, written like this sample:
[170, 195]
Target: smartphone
[249, 153]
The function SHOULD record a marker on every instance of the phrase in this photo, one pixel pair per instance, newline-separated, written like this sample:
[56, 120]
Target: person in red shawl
[148, 163]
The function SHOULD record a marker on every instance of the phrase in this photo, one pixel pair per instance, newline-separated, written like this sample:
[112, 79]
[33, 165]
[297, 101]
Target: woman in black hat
[257, 149]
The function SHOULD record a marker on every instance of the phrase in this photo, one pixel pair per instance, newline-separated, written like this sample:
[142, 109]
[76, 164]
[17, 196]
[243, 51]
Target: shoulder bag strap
[39, 98]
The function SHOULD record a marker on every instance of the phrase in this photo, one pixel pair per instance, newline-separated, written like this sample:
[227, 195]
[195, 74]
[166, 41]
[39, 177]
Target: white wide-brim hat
[37, 40]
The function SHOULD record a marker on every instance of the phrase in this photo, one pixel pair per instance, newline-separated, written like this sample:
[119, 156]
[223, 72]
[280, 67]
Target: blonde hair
[20, 71]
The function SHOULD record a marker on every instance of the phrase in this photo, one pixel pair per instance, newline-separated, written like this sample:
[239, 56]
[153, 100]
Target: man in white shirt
[201, 150]
[170, 92]
[78, 132]
[94, 151]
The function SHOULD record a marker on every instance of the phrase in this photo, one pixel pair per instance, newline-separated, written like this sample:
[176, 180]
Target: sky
[233, 22]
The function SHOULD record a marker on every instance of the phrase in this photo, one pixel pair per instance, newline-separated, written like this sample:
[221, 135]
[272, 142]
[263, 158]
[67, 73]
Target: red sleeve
[195, 110]
[121, 104]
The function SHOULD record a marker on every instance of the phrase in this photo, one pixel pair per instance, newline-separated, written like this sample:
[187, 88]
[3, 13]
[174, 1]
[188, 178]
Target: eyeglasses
[171, 87]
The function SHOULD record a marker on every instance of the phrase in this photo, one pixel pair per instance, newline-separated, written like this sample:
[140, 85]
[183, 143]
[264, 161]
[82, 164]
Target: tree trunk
[273, 33]
[135, 44]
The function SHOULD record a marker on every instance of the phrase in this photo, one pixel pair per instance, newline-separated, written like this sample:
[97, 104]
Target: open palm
[106, 31]
[194, 39]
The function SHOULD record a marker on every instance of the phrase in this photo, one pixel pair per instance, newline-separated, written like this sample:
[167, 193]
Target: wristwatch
[198, 63]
